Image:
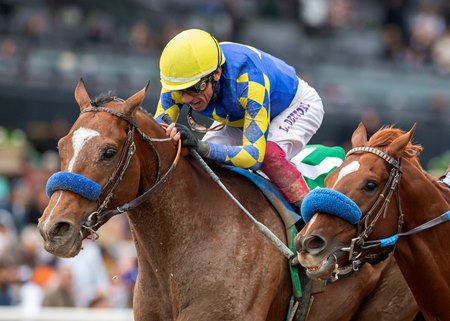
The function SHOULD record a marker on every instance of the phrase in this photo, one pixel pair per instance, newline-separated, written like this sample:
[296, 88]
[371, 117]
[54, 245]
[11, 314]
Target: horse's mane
[386, 135]
[109, 96]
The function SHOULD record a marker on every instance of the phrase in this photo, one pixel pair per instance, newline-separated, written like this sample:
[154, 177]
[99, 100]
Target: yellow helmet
[188, 57]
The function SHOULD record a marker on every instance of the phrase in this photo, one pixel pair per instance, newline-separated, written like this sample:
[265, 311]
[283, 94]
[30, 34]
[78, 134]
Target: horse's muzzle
[61, 238]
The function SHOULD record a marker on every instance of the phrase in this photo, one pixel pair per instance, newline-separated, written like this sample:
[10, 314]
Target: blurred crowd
[414, 32]
[417, 35]
[102, 275]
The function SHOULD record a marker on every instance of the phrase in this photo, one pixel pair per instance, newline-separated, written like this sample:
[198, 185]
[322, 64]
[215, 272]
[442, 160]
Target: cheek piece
[329, 201]
[75, 183]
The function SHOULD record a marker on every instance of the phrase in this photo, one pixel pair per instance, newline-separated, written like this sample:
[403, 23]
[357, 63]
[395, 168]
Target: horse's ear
[397, 147]
[81, 95]
[359, 137]
[135, 101]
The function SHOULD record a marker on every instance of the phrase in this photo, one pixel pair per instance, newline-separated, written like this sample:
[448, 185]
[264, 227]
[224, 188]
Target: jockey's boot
[301, 190]
[296, 192]
[284, 175]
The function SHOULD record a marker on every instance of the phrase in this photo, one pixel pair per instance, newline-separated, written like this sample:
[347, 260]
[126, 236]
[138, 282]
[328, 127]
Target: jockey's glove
[188, 139]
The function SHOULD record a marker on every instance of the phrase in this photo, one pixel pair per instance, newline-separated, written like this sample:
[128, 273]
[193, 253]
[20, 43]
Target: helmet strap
[214, 87]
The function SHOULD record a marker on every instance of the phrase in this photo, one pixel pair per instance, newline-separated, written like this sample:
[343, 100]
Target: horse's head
[95, 156]
[354, 206]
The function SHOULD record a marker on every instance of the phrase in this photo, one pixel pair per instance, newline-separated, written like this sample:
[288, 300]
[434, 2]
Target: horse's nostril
[60, 229]
[314, 244]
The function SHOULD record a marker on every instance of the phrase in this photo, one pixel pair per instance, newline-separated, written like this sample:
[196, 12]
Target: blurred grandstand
[380, 62]
[386, 58]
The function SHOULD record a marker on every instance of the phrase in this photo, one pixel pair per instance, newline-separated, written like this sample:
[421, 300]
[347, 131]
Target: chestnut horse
[200, 258]
[402, 208]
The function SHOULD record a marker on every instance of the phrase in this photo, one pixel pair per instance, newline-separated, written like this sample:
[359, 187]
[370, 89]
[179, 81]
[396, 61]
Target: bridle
[367, 223]
[101, 215]
[359, 245]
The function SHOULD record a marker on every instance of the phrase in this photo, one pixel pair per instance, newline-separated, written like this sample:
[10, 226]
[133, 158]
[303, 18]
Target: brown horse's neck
[186, 235]
[423, 257]
[423, 201]
[161, 226]
[158, 223]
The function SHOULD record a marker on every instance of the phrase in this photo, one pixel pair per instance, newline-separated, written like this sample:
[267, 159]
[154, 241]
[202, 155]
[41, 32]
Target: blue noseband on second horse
[332, 202]
[75, 183]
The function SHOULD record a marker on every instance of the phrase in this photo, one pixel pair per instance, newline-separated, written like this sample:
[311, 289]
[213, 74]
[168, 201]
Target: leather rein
[102, 214]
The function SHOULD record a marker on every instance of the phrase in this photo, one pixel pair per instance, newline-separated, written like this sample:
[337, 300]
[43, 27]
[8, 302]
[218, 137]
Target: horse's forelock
[103, 99]
[109, 96]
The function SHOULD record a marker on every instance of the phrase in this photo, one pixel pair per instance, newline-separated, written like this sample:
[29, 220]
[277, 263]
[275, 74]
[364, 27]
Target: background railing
[66, 314]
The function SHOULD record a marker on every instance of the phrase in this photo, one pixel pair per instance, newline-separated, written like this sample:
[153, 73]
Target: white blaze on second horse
[350, 168]
[80, 137]
[310, 223]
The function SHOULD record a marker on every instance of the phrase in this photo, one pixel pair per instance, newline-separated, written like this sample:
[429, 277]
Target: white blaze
[79, 139]
[47, 222]
[350, 168]
[310, 223]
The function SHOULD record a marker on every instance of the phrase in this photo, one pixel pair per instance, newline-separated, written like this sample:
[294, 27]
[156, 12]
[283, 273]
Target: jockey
[263, 113]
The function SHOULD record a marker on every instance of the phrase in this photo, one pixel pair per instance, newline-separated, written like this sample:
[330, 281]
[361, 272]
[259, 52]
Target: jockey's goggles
[199, 87]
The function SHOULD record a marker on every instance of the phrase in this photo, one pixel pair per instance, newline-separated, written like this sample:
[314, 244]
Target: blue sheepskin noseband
[329, 201]
[76, 183]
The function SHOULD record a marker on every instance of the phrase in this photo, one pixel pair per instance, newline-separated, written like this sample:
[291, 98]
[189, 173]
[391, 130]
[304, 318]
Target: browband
[375, 151]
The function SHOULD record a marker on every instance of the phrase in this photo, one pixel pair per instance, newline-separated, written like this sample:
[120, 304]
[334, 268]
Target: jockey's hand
[173, 133]
[188, 138]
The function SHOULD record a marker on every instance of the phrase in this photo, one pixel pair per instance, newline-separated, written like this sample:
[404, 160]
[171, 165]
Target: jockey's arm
[256, 123]
[249, 155]
[170, 103]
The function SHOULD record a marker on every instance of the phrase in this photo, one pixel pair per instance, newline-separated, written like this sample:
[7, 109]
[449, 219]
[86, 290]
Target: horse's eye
[109, 153]
[370, 186]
